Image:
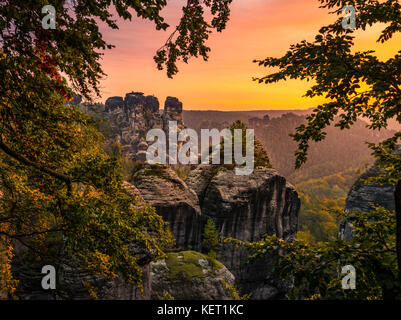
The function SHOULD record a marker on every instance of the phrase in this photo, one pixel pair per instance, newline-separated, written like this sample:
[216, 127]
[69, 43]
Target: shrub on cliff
[210, 237]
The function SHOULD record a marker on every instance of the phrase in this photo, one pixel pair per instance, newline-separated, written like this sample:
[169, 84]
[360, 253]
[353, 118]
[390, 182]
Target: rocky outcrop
[246, 208]
[243, 207]
[161, 187]
[190, 275]
[114, 103]
[132, 117]
[172, 112]
[365, 196]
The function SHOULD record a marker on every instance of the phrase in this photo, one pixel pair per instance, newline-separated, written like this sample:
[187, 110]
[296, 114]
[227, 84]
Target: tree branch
[55, 174]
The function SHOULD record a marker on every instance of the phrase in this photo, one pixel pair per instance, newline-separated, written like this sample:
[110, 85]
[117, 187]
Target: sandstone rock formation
[190, 275]
[245, 208]
[365, 197]
[132, 117]
[174, 201]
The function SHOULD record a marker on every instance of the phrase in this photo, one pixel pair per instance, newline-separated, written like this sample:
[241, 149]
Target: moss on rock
[189, 264]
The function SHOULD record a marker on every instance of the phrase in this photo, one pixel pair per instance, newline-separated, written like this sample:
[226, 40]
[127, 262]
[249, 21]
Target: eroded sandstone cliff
[366, 196]
[161, 187]
[243, 207]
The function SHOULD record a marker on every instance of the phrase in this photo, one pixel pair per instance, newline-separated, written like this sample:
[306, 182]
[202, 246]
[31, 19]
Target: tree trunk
[397, 196]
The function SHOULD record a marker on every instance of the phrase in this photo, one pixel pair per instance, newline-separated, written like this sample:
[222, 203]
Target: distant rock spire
[134, 115]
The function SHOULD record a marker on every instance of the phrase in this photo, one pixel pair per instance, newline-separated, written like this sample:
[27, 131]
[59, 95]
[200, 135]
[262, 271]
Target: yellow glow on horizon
[256, 30]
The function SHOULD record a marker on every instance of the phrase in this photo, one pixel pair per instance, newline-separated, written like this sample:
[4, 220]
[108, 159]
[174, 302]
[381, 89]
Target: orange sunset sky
[257, 29]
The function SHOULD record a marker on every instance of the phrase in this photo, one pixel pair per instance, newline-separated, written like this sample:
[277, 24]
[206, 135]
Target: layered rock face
[190, 275]
[243, 207]
[132, 117]
[365, 197]
[246, 208]
[173, 200]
